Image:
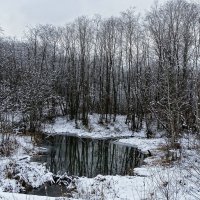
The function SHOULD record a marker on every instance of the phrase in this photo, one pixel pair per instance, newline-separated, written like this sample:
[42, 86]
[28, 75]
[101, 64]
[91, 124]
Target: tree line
[144, 67]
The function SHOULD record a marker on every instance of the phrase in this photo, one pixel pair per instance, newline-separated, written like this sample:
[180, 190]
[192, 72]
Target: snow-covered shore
[16, 170]
[159, 178]
[95, 130]
[16, 196]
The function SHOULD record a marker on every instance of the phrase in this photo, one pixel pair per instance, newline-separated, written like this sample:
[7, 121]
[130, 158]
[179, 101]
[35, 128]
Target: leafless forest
[145, 67]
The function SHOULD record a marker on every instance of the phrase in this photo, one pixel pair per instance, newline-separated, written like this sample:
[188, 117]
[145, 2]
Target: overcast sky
[16, 15]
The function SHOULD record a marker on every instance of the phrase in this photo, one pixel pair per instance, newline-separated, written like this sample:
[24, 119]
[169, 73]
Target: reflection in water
[87, 157]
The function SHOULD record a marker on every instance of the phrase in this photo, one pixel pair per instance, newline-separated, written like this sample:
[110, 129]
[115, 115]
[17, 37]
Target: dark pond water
[50, 190]
[89, 157]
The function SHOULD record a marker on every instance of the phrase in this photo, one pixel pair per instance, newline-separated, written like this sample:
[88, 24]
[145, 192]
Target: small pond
[88, 157]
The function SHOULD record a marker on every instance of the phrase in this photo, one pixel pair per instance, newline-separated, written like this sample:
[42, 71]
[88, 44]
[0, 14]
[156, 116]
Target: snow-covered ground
[15, 196]
[158, 178]
[95, 130]
[177, 181]
[16, 170]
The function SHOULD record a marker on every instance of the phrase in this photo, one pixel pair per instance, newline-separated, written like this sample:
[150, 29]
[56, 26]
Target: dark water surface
[88, 157]
[49, 190]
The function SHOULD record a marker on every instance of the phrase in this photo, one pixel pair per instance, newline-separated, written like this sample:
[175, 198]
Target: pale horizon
[16, 16]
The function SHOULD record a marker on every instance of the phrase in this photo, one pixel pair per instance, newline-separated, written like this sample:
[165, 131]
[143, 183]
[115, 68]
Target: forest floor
[172, 174]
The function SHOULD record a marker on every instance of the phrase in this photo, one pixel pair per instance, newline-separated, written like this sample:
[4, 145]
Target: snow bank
[15, 196]
[17, 172]
[143, 144]
[154, 180]
[95, 130]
